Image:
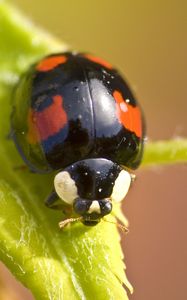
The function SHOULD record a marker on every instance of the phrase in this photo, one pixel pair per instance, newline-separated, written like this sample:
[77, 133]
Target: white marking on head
[94, 207]
[121, 186]
[65, 187]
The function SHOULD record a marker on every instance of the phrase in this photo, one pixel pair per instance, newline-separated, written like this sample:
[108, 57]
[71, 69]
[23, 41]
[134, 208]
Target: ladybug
[73, 113]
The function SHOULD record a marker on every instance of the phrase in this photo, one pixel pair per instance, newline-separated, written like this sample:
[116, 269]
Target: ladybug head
[91, 186]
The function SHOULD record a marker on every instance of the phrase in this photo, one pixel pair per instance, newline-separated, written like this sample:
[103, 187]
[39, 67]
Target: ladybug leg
[8, 136]
[67, 210]
[21, 168]
[133, 177]
[54, 202]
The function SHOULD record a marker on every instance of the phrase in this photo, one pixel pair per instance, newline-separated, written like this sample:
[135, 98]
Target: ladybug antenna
[122, 227]
[64, 223]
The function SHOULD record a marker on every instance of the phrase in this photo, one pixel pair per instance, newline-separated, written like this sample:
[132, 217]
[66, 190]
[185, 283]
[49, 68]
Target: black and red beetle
[75, 114]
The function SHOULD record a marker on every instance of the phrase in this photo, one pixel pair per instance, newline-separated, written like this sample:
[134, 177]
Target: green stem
[165, 152]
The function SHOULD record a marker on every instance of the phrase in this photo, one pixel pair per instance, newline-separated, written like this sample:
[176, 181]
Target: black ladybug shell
[71, 107]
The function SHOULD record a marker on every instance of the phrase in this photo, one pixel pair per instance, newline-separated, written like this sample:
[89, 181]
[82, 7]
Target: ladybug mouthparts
[92, 210]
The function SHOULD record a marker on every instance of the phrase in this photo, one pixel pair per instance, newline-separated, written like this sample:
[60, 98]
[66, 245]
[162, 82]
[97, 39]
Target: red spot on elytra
[98, 61]
[46, 123]
[50, 63]
[128, 115]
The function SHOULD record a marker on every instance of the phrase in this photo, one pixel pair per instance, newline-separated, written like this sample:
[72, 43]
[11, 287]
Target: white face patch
[94, 207]
[121, 186]
[65, 187]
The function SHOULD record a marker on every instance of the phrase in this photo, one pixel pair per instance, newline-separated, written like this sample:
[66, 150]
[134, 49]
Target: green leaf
[78, 262]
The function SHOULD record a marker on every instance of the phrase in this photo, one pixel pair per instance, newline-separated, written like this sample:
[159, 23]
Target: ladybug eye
[65, 187]
[121, 186]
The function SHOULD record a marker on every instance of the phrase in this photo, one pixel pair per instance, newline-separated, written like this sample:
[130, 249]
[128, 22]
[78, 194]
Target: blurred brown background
[147, 40]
